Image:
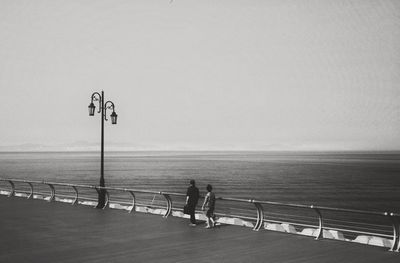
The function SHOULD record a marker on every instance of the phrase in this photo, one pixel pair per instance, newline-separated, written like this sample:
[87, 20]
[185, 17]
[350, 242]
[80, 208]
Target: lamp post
[103, 106]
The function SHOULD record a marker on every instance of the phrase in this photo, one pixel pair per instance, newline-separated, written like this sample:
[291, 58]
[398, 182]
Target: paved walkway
[39, 231]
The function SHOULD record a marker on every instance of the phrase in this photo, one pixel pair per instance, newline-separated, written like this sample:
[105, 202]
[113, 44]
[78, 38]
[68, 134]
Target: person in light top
[209, 201]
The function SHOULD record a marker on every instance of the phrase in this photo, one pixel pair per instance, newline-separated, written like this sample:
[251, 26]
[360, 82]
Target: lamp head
[92, 108]
[113, 118]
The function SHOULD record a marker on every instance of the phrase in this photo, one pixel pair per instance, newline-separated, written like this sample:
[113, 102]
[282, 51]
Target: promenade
[40, 231]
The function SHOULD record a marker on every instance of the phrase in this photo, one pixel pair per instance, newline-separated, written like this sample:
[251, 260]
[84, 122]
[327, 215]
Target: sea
[355, 180]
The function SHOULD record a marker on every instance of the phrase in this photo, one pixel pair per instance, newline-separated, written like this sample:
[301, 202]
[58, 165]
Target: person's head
[192, 182]
[209, 187]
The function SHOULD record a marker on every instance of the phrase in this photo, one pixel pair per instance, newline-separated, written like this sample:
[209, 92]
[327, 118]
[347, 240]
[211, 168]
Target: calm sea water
[369, 181]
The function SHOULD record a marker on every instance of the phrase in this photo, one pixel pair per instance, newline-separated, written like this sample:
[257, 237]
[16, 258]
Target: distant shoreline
[213, 151]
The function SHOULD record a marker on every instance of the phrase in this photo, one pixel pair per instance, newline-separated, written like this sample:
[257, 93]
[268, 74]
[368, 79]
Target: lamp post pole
[102, 183]
[103, 110]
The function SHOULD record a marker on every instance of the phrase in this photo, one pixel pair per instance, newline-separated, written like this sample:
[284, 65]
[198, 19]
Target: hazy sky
[232, 74]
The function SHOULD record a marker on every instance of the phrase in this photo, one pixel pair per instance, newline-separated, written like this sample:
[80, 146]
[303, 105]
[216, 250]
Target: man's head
[192, 182]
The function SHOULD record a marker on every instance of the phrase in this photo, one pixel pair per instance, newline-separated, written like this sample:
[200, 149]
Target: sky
[201, 75]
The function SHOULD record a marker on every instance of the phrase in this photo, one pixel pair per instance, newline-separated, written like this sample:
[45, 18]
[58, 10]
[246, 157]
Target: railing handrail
[92, 186]
[242, 200]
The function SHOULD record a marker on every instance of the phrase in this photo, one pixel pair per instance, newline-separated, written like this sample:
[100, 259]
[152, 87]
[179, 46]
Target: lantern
[114, 118]
[91, 109]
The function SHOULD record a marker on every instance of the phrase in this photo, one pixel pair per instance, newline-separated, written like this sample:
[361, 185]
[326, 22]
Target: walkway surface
[39, 231]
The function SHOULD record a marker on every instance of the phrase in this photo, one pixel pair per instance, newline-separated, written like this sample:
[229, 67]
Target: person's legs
[192, 217]
[210, 221]
[210, 215]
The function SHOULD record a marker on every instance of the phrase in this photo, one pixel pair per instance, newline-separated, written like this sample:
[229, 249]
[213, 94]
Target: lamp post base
[101, 202]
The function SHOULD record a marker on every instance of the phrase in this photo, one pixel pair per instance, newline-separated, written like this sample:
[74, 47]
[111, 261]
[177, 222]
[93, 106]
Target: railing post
[107, 204]
[169, 204]
[260, 215]
[53, 192]
[98, 192]
[321, 223]
[12, 193]
[75, 202]
[396, 234]
[30, 196]
[133, 202]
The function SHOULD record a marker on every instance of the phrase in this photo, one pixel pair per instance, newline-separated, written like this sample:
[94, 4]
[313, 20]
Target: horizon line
[203, 150]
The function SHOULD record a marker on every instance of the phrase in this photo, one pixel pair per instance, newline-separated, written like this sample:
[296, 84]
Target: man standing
[192, 197]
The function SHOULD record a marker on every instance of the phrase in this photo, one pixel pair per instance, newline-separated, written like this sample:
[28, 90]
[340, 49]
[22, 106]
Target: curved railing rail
[365, 228]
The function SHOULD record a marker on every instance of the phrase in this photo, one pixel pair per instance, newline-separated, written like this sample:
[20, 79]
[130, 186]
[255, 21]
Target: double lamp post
[103, 106]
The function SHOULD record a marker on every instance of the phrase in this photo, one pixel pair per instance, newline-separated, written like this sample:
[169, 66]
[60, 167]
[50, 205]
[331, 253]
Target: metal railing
[366, 223]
